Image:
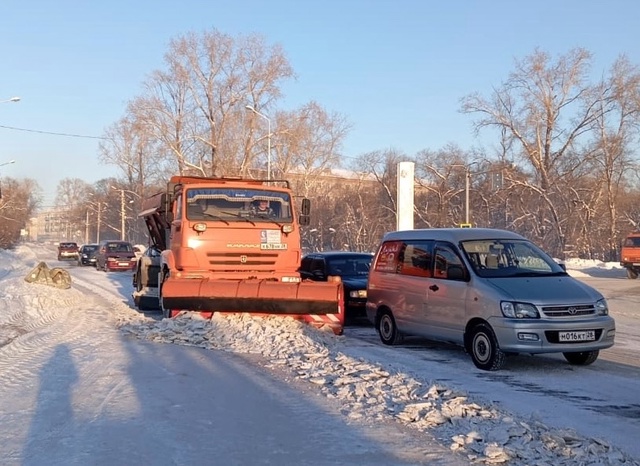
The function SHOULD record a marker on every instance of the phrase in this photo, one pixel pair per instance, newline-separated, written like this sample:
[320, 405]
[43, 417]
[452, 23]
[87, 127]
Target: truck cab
[630, 254]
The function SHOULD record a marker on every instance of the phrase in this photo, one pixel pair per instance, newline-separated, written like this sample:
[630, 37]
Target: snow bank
[369, 390]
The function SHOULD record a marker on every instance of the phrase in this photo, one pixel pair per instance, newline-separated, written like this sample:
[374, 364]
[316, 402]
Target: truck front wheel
[632, 273]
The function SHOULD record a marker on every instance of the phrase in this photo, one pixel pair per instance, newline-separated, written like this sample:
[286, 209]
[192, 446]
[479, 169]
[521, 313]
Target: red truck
[630, 254]
[216, 248]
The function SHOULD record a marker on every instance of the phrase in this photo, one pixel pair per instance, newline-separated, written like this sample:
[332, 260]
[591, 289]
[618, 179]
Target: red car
[113, 255]
[67, 250]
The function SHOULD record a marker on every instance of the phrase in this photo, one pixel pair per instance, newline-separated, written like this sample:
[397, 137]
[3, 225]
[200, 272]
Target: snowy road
[76, 390]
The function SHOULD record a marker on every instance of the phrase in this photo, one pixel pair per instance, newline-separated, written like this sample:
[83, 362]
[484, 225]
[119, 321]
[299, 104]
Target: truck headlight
[601, 307]
[358, 293]
[519, 310]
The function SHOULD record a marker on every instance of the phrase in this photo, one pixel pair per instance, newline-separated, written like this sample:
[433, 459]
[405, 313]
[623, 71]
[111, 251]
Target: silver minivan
[491, 291]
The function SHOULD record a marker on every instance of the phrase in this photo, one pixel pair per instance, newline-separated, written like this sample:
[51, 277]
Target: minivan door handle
[434, 288]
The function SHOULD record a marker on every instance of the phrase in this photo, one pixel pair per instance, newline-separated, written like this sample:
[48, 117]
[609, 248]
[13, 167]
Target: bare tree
[545, 107]
[308, 142]
[197, 106]
[615, 132]
[440, 186]
[18, 203]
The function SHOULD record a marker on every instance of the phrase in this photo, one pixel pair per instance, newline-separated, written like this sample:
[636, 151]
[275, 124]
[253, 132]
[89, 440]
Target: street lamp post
[467, 183]
[98, 222]
[86, 228]
[250, 108]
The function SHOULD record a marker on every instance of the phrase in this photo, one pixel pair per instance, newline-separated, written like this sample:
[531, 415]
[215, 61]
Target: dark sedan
[352, 268]
[86, 254]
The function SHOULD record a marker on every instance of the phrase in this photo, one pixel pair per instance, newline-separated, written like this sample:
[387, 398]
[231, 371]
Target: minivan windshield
[494, 258]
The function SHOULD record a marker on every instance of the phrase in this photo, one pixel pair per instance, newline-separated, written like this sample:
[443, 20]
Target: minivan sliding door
[447, 294]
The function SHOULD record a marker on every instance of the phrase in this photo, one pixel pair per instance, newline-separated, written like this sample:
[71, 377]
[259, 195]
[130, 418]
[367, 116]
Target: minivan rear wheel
[583, 358]
[484, 349]
[387, 329]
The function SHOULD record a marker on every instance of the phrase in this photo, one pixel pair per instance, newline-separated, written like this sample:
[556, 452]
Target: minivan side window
[447, 264]
[388, 256]
[415, 258]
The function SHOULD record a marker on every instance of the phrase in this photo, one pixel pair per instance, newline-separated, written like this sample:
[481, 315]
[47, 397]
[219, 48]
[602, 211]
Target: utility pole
[98, 225]
[252, 109]
[123, 213]
[86, 228]
[467, 179]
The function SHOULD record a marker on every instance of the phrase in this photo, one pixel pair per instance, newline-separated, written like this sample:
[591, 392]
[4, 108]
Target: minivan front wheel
[387, 329]
[484, 350]
[583, 358]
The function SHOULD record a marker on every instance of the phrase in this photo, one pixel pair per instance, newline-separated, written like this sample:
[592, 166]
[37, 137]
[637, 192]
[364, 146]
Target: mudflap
[55, 277]
[317, 303]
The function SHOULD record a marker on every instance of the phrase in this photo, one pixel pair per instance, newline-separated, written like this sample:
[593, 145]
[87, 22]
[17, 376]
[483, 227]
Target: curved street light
[12, 99]
[250, 108]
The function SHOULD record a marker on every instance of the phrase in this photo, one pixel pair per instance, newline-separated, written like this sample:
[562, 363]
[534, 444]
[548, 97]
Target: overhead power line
[52, 133]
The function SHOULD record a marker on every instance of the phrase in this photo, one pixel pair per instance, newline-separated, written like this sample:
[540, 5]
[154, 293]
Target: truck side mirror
[306, 206]
[304, 218]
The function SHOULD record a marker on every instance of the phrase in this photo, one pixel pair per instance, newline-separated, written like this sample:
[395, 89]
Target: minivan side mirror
[455, 272]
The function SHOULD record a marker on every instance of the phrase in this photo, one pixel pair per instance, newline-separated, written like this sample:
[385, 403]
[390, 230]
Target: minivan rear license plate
[588, 335]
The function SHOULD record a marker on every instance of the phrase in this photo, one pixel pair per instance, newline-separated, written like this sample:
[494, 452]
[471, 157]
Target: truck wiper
[266, 217]
[234, 214]
[216, 217]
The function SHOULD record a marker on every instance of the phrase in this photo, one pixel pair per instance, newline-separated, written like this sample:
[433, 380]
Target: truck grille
[233, 261]
[569, 311]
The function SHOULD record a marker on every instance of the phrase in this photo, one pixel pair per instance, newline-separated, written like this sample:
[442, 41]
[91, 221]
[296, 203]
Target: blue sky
[396, 69]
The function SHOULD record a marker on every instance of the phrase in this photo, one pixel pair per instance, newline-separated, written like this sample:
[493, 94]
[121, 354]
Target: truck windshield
[238, 204]
[509, 258]
[632, 242]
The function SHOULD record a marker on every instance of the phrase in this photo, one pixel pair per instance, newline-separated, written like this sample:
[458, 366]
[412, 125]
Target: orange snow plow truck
[230, 245]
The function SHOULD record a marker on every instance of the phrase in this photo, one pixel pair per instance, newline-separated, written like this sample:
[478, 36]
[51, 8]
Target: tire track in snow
[80, 321]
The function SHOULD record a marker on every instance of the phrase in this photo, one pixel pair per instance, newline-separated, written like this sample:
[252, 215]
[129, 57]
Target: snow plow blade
[320, 303]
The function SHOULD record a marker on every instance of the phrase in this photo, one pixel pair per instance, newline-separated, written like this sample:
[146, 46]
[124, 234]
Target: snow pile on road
[372, 392]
